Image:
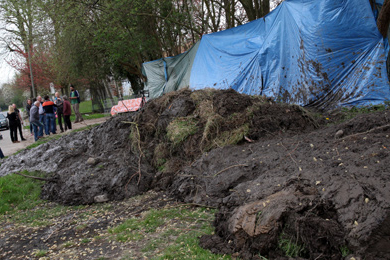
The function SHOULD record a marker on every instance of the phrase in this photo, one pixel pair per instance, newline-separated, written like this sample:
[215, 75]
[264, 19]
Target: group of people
[42, 114]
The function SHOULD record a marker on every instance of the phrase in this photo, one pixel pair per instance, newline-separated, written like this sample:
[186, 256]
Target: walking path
[10, 148]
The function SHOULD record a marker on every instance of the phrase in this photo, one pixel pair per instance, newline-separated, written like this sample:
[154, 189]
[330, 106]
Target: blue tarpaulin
[313, 53]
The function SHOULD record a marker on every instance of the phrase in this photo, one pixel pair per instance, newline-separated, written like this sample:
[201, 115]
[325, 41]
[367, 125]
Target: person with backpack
[35, 121]
[60, 110]
[75, 101]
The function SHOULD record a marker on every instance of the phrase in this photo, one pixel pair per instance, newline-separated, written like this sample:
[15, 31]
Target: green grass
[85, 240]
[18, 192]
[68, 244]
[181, 128]
[186, 246]
[87, 116]
[40, 253]
[289, 247]
[171, 233]
[354, 111]
[345, 251]
[85, 107]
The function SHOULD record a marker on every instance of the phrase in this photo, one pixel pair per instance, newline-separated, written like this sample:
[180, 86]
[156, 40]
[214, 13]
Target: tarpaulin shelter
[313, 53]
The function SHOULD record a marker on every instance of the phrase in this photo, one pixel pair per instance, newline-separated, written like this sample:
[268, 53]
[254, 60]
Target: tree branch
[36, 178]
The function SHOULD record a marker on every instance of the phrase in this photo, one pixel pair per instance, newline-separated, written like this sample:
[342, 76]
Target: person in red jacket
[67, 111]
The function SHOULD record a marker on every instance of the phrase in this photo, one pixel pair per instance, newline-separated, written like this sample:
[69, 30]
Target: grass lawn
[86, 107]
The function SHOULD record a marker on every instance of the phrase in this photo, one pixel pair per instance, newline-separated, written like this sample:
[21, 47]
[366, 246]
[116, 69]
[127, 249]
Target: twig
[196, 176]
[238, 165]
[289, 154]
[369, 131]
[190, 204]
[36, 178]
[140, 154]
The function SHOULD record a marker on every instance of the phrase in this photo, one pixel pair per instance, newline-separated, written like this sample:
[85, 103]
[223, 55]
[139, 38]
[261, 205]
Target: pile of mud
[86, 164]
[277, 176]
[324, 195]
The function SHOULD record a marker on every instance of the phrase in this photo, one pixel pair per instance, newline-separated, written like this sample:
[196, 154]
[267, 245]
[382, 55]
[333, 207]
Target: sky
[6, 72]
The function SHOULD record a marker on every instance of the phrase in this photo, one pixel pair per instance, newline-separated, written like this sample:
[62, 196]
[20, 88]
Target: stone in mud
[101, 198]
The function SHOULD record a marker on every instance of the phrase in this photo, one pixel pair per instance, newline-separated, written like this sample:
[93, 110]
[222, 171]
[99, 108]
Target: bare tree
[255, 9]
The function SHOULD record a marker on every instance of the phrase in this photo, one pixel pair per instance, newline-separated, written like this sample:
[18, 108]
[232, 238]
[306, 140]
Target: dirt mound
[284, 184]
[178, 127]
[86, 164]
[319, 193]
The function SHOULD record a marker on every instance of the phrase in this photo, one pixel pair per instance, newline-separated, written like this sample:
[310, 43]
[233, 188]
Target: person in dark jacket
[67, 110]
[49, 108]
[34, 121]
[60, 112]
[28, 107]
[19, 121]
[12, 118]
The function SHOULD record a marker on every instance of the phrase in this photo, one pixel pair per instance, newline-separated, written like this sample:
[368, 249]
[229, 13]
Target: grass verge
[19, 193]
[171, 233]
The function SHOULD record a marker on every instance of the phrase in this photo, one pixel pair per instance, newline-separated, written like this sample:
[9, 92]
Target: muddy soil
[323, 192]
[81, 232]
[276, 172]
[83, 165]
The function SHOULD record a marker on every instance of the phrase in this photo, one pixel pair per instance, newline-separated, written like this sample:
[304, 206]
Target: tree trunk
[384, 18]
[255, 9]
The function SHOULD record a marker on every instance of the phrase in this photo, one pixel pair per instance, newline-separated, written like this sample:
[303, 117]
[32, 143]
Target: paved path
[10, 148]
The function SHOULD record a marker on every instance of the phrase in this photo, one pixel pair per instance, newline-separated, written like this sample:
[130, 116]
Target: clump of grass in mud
[172, 233]
[198, 97]
[180, 129]
[354, 111]
[346, 113]
[290, 247]
[161, 155]
[232, 137]
[211, 129]
[18, 192]
[40, 253]
[345, 251]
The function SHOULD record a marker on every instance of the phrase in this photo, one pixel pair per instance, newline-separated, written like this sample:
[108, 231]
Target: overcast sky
[6, 72]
